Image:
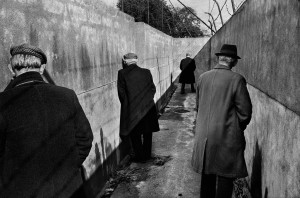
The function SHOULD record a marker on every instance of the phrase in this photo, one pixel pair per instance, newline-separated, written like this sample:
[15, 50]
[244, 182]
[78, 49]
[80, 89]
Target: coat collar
[131, 66]
[219, 66]
[25, 79]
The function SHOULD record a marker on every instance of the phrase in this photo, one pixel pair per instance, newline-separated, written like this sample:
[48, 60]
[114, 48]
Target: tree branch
[196, 16]
[220, 13]
[233, 6]
[212, 20]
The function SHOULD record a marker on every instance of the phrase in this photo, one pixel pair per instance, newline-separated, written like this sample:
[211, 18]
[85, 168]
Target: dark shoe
[182, 92]
[194, 91]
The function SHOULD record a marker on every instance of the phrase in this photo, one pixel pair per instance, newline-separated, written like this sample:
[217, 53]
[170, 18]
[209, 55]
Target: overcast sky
[201, 6]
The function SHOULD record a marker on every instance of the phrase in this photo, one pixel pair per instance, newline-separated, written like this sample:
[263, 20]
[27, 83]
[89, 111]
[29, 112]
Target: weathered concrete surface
[175, 178]
[267, 35]
[84, 41]
[184, 45]
[272, 151]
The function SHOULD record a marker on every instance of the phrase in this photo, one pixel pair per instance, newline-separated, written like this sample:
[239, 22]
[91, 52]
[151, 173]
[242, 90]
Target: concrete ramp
[267, 34]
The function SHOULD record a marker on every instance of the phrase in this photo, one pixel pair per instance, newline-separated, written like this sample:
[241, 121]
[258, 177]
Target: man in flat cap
[138, 111]
[224, 110]
[187, 66]
[44, 133]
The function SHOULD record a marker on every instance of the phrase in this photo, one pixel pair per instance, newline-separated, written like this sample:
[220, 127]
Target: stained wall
[267, 34]
[84, 41]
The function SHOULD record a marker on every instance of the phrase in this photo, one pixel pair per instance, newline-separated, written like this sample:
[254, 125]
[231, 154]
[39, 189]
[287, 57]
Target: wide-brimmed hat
[228, 50]
[29, 50]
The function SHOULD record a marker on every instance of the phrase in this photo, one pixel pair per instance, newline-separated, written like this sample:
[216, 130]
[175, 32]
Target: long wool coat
[187, 66]
[223, 111]
[136, 92]
[45, 137]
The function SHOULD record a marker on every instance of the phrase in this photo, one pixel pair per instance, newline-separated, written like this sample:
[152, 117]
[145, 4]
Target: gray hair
[226, 59]
[21, 61]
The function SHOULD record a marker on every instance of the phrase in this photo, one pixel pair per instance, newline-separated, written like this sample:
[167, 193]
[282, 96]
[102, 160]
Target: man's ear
[42, 68]
[11, 69]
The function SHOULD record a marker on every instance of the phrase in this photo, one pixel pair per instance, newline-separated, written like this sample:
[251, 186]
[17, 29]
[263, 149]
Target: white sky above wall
[200, 6]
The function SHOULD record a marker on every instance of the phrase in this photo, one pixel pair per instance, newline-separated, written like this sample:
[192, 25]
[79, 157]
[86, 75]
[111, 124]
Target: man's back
[42, 153]
[138, 97]
[224, 110]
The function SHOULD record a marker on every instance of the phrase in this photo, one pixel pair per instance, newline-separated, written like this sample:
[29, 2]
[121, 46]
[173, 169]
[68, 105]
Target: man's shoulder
[237, 76]
[207, 73]
[59, 89]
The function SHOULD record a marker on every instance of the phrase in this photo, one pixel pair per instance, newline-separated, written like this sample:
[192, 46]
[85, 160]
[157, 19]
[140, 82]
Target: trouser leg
[213, 186]
[192, 87]
[136, 140]
[224, 187]
[182, 87]
[208, 186]
[147, 145]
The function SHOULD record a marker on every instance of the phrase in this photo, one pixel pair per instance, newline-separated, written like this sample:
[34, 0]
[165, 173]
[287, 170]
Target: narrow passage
[170, 173]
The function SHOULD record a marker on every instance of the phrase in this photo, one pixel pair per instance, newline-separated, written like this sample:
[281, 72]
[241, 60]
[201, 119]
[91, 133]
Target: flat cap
[29, 50]
[130, 56]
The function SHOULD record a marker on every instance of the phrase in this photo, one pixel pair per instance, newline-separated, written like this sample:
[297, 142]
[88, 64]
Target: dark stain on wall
[97, 153]
[266, 193]
[86, 68]
[93, 185]
[33, 36]
[267, 38]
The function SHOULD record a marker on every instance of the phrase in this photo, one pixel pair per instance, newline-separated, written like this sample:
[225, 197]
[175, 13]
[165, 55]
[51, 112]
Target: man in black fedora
[224, 110]
[44, 134]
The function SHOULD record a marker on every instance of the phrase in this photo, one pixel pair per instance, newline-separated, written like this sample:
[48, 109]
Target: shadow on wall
[256, 188]
[90, 187]
[48, 77]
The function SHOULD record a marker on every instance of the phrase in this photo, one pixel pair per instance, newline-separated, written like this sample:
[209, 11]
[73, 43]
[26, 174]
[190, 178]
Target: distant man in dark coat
[224, 110]
[138, 111]
[187, 66]
[44, 133]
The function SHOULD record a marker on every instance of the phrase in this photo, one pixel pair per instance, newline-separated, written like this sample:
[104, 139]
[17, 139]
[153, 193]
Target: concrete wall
[267, 33]
[84, 41]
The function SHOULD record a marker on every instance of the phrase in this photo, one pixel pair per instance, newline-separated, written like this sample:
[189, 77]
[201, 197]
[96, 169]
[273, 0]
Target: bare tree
[197, 16]
[220, 11]
[211, 25]
[233, 6]
[213, 20]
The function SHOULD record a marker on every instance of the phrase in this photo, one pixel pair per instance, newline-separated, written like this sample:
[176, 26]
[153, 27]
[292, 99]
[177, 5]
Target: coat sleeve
[243, 104]
[193, 65]
[121, 86]
[153, 88]
[181, 64]
[83, 132]
[198, 83]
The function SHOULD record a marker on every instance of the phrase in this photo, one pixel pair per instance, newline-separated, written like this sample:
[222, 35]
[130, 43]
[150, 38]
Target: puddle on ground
[181, 110]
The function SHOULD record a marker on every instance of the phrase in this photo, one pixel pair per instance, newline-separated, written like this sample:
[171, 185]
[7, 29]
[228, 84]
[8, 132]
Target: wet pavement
[169, 174]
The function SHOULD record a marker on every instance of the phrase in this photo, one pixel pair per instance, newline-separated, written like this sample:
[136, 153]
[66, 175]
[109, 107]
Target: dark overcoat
[223, 111]
[187, 67]
[136, 92]
[45, 137]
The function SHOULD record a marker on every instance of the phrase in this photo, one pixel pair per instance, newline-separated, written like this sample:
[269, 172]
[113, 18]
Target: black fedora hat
[228, 50]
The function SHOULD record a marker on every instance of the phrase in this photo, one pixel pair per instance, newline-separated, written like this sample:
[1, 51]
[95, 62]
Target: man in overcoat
[187, 66]
[138, 111]
[224, 110]
[44, 133]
